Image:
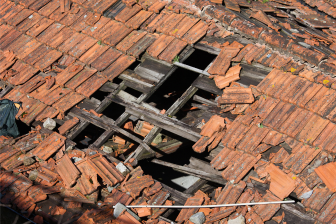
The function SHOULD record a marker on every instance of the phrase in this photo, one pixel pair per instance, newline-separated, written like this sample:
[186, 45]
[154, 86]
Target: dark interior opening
[90, 132]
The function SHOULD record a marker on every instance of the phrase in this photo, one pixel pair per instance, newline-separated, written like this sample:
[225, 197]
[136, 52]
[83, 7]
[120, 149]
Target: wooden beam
[204, 101]
[191, 171]
[5, 91]
[107, 124]
[190, 68]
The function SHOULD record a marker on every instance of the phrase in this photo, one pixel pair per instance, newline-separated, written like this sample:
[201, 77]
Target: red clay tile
[157, 6]
[5, 29]
[79, 49]
[68, 101]
[312, 129]
[273, 138]
[91, 85]
[279, 115]
[224, 158]
[38, 28]
[48, 59]
[231, 76]
[60, 37]
[166, 26]
[55, 95]
[81, 77]
[136, 21]
[195, 33]
[130, 40]
[7, 152]
[172, 50]
[279, 156]
[93, 53]
[236, 95]
[9, 38]
[215, 124]
[239, 168]
[252, 139]
[327, 174]
[92, 31]
[32, 112]
[106, 170]
[327, 214]
[127, 13]
[48, 147]
[120, 65]
[67, 170]
[152, 189]
[305, 54]
[50, 32]
[18, 18]
[232, 138]
[120, 31]
[57, 15]
[37, 54]
[70, 18]
[48, 112]
[71, 42]
[87, 19]
[103, 5]
[185, 214]
[68, 73]
[319, 197]
[243, 52]
[49, 8]
[106, 59]
[118, 196]
[266, 212]
[33, 84]
[223, 61]
[88, 181]
[183, 26]
[157, 21]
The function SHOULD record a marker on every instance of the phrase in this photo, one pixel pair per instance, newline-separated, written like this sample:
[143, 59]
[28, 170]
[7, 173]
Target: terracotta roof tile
[127, 13]
[5, 29]
[195, 33]
[50, 32]
[105, 170]
[236, 95]
[19, 17]
[120, 31]
[312, 129]
[252, 139]
[48, 147]
[327, 174]
[136, 21]
[81, 47]
[172, 50]
[27, 48]
[273, 138]
[310, 56]
[107, 58]
[48, 59]
[231, 75]
[21, 184]
[39, 27]
[68, 125]
[33, 111]
[183, 26]
[159, 45]
[101, 6]
[33, 84]
[9, 38]
[67, 170]
[157, 21]
[49, 8]
[152, 189]
[68, 73]
[234, 134]
[118, 196]
[37, 54]
[91, 85]
[327, 214]
[130, 40]
[185, 214]
[243, 52]
[222, 61]
[88, 181]
[23, 73]
[117, 67]
[247, 27]
[55, 95]
[68, 101]
[48, 112]
[157, 6]
[238, 169]
[60, 37]
[71, 42]
[281, 183]
[80, 77]
[93, 31]
[216, 123]
[279, 115]
[70, 18]
[7, 152]
[319, 197]
[266, 212]
[253, 53]
[168, 25]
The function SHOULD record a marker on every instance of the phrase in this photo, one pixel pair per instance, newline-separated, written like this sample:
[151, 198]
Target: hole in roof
[99, 95]
[180, 81]
[22, 127]
[114, 111]
[88, 136]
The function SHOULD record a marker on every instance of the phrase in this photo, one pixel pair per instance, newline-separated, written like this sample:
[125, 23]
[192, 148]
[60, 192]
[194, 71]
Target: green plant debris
[176, 59]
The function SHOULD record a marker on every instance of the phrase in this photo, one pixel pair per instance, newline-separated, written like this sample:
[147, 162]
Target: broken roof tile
[222, 61]
[118, 66]
[327, 213]
[185, 214]
[56, 94]
[105, 170]
[68, 73]
[80, 78]
[236, 95]
[48, 112]
[67, 170]
[281, 183]
[48, 147]
[231, 75]
[252, 139]
[48, 59]
[305, 54]
[215, 124]
[327, 174]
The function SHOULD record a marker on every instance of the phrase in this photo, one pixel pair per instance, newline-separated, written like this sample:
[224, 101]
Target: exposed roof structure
[264, 121]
